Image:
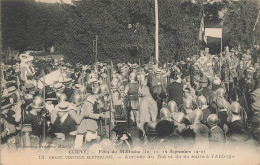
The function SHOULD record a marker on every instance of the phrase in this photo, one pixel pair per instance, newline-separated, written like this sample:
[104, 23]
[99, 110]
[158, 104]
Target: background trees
[125, 28]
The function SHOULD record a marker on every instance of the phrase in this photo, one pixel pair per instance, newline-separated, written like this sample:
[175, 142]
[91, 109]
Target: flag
[257, 20]
[213, 32]
[202, 30]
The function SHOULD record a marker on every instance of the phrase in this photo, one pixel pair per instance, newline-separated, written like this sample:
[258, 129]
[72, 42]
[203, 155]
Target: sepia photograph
[113, 82]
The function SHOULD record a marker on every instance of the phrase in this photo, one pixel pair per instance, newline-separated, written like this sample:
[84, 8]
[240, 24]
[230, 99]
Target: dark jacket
[175, 92]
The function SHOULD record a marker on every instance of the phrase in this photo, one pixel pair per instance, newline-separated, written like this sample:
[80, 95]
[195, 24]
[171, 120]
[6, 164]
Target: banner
[213, 32]
[50, 78]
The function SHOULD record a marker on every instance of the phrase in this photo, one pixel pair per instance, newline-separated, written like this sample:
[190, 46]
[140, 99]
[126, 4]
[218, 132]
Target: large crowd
[205, 99]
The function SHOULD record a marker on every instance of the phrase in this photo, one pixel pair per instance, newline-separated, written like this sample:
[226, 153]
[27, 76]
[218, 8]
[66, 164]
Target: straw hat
[63, 106]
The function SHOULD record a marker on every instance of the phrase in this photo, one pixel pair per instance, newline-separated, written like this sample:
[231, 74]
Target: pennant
[202, 30]
[257, 20]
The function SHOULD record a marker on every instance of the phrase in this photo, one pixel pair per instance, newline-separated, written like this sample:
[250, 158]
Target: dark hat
[164, 128]
[6, 106]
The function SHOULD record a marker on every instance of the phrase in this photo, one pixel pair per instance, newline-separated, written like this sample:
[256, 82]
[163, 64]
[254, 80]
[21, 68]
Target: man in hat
[159, 88]
[61, 88]
[233, 69]
[64, 126]
[247, 85]
[10, 120]
[150, 76]
[175, 89]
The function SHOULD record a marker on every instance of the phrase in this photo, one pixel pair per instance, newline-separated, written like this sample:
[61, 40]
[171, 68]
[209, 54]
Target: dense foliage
[125, 28]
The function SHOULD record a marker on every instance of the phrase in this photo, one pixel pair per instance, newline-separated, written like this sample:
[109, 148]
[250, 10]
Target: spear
[18, 97]
[111, 101]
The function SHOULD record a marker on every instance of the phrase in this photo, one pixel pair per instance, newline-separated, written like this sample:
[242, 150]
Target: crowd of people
[205, 99]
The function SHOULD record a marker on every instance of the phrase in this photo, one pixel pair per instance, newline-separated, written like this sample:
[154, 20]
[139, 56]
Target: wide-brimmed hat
[250, 70]
[29, 86]
[63, 106]
[59, 86]
[66, 80]
[134, 66]
[77, 86]
[92, 80]
[158, 71]
[3, 107]
[11, 90]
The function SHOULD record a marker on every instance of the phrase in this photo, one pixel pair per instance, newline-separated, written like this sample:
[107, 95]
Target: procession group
[205, 99]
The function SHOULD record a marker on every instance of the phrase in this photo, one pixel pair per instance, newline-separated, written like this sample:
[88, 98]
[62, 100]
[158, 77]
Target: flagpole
[96, 59]
[156, 32]
[257, 19]
[221, 45]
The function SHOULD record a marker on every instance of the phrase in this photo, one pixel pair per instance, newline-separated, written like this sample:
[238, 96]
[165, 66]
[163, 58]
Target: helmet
[212, 120]
[165, 113]
[151, 129]
[179, 117]
[172, 106]
[198, 115]
[62, 97]
[220, 92]
[77, 99]
[222, 103]
[38, 102]
[187, 104]
[235, 108]
[202, 100]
